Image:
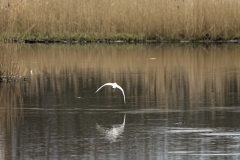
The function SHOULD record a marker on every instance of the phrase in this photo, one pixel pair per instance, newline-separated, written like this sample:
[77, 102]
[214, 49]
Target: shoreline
[109, 41]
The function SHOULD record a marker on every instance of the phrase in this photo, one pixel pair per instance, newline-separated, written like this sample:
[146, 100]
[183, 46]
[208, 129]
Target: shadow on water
[182, 101]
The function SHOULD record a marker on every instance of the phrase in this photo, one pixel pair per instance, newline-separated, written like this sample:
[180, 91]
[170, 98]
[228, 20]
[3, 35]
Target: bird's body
[114, 86]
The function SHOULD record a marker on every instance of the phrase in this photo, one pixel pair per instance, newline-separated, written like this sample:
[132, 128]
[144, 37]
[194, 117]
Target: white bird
[114, 86]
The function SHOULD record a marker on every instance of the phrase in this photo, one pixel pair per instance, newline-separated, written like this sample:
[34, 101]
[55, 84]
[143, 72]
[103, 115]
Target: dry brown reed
[116, 19]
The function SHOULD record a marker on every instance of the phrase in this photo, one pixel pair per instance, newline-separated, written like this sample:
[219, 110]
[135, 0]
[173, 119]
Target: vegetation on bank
[161, 20]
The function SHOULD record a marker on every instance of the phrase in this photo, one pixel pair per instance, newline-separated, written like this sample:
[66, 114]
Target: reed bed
[120, 19]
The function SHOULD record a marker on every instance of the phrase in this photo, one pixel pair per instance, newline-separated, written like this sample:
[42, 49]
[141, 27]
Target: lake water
[182, 102]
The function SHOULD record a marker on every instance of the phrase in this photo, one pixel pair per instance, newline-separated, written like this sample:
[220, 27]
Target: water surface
[182, 102]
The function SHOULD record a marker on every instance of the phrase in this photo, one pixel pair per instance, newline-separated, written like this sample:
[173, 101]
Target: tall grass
[116, 19]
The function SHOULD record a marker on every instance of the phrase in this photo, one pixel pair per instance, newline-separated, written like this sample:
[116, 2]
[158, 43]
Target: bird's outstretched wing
[122, 92]
[106, 84]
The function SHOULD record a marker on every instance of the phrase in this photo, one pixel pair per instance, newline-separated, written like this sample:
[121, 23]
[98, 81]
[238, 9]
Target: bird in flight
[114, 86]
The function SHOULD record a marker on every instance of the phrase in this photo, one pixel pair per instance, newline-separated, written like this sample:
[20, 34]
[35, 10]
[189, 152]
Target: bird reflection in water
[111, 134]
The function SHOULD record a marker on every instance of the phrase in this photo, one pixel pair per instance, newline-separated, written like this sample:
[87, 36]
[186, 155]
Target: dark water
[182, 102]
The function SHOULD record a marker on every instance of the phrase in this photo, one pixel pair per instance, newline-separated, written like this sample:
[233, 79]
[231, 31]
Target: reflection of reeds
[11, 68]
[10, 115]
[11, 102]
[186, 74]
[9, 65]
[162, 19]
